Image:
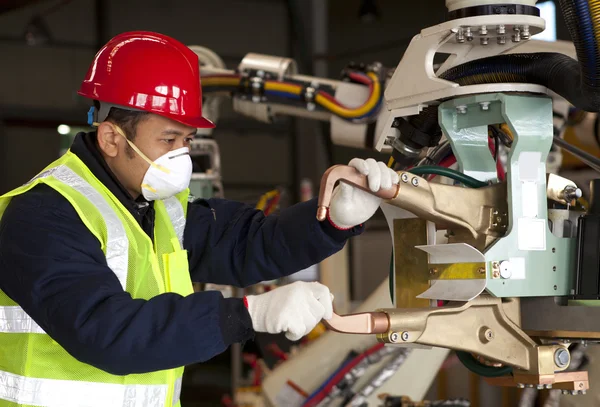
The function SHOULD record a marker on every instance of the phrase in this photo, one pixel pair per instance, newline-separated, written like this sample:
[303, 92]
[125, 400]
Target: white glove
[351, 206]
[294, 309]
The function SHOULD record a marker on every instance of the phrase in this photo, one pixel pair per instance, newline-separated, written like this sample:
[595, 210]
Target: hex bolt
[485, 40]
[562, 358]
[582, 392]
[501, 40]
[565, 392]
[483, 30]
[469, 34]
[501, 29]
[394, 337]
[405, 336]
[516, 37]
[415, 182]
[540, 386]
[548, 386]
[462, 109]
[520, 386]
[485, 106]
[404, 177]
[525, 32]
[488, 335]
[460, 36]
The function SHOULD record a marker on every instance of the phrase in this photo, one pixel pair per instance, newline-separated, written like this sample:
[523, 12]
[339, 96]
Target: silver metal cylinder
[266, 63]
[458, 4]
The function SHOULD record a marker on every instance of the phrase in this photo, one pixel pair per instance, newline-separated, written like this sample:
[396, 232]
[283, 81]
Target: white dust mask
[168, 175]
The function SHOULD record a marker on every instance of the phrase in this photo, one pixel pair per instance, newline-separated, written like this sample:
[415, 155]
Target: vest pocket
[177, 272]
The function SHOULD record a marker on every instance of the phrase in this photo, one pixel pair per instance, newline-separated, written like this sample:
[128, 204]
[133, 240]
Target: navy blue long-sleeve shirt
[54, 268]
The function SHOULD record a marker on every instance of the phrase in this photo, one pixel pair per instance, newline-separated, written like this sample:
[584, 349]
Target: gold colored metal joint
[366, 323]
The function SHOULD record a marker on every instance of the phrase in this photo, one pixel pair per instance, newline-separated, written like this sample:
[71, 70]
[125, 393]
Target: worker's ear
[108, 139]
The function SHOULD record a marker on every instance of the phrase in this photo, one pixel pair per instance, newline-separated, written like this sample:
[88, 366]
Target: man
[98, 251]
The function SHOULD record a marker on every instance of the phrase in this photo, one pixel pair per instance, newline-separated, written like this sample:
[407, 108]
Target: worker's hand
[294, 309]
[351, 206]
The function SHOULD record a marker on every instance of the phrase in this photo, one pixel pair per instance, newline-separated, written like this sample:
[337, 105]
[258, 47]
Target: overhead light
[368, 11]
[63, 129]
[37, 32]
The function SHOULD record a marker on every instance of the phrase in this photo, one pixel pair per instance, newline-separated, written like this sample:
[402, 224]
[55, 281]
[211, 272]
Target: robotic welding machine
[499, 260]
[501, 267]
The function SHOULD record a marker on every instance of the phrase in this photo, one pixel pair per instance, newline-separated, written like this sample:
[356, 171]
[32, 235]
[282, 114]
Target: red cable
[499, 169]
[272, 205]
[340, 375]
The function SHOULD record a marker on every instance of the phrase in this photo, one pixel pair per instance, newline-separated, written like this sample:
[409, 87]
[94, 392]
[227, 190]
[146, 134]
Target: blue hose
[587, 37]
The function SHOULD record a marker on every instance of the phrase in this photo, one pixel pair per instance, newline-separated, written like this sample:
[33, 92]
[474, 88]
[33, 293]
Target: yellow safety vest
[34, 369]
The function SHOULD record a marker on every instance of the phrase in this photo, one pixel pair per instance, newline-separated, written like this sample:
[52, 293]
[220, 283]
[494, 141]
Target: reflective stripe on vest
[13, 319]
[70, 393]
[177, 216]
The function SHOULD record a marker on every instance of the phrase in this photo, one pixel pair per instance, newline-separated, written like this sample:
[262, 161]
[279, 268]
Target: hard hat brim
[197, 122]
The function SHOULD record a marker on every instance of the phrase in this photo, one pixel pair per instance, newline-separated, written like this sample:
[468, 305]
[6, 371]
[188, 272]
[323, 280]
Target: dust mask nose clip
[168, 175]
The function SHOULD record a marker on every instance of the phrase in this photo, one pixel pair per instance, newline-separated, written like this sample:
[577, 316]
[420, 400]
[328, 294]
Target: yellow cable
[360, 111]
[262, 203]
[594, 6]
[283, 87]
[504, 127]
[391, 162]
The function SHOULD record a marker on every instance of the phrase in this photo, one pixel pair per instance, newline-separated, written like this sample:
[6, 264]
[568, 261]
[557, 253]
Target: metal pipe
[586, 157]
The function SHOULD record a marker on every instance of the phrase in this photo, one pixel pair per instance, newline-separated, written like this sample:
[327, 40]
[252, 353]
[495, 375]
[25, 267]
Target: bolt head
[501, 29]
[481, 270]
[501, 40]
[405, 336]
[485, 105]
[548, 386]
[561, 358]
[433, 271]
[484, 41]
[394, 337]
[565, 392]
[520, 386]
[461, 109]
[415, 181]
[404, 177]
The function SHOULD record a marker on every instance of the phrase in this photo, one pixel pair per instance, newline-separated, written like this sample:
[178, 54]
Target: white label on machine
[529, 166]
[532, 234]
[517, 268]
[530, 199]
[529, 174]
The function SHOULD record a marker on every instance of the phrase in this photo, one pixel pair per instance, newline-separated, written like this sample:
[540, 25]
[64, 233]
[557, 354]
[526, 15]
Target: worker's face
[155, 136]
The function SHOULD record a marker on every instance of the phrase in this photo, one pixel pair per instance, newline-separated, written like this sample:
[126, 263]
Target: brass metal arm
[482, 211]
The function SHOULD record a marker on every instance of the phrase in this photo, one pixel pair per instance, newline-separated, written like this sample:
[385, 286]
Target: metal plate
[411, 264]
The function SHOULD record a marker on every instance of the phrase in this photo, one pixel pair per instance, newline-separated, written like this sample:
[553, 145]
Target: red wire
[340, 375]
[272, 205]
[499, 169]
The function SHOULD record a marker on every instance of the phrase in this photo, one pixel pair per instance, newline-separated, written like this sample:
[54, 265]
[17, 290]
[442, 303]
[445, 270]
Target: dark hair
[125, 119]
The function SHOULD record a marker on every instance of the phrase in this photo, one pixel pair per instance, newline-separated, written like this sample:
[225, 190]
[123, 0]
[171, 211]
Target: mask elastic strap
[137, 150]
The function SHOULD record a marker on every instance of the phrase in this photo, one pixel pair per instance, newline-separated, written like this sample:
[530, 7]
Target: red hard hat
[150, 72]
